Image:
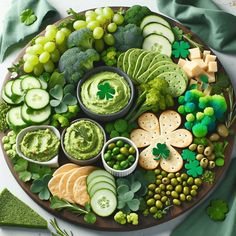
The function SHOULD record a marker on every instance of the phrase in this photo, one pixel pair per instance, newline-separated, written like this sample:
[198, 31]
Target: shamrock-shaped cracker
[164, 130]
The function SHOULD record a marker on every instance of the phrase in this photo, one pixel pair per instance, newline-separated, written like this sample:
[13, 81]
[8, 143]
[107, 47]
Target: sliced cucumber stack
[101, 188]
[154, 19]
[30, 82]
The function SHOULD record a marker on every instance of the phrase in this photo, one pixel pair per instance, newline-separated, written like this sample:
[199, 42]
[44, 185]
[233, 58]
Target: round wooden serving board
[108, 224]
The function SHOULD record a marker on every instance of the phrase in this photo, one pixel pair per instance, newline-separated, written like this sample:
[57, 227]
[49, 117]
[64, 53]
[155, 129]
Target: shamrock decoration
[163, 130]
[217, 210]
[28, 17]
[178, 32]
[188, 155]
[180, 49]
[105, 91]
[161, 151]
[193, 168]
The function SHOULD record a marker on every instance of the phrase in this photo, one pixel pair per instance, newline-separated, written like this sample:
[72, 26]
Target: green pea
[150, 193]
[151, 187]
[157, 196]
[163, 193]
[159, 177]
[153, 210]
[184, 183]
[193, 192]
[165, 180]
[132, 150]
[190, 180]
[159, 204]
[167, 203]
[115, 150]
[151, 202]
[195, 187]
[178, 188]
[184, 176]
[110, 163]
[169, 187]
[186, 190]
[198, 181]
[107, 156]
[158, 190]
[164, 173]
[157, 171]
[177, 174]
[111, 146]
[120, 157]
[124, 164]
[124, 151]
[127, 145]
[179, 179]
[120, 143]
[174, 182]
[131, 158]
[162, 186]
[109, 151]
[182, 197]
[174, 194]
[164, 199]
[176, 202]
[168, 193]
[171, 175]
[189, 198]
[116, 167]
[158, 181]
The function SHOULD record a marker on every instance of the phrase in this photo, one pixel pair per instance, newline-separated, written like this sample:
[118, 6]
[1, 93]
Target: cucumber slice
[30, 82]
[16, 88]
[44, 84]
[7, 88]
[35, 116]
[156, 42]
[101, 185]
[15, 118]
[6, 98]
[154, 18]
[96, 173]
[104, 202]
[37, 98]
[158, 29]
[100, 179]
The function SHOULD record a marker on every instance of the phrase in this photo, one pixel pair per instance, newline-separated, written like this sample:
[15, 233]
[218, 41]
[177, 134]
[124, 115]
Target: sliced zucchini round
[37, 98]
[160, 29]
[30, 82]
[103, 202]
[156, 42]
[154, 18]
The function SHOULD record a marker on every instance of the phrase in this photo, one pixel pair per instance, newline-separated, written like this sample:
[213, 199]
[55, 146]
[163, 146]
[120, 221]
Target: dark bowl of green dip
[82, 141]
[105, 93]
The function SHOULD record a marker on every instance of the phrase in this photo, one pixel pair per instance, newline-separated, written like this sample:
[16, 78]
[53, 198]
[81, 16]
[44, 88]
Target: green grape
[33, 59]
[109, 39]
[99, 45]
[49, 66]
[66, 31]
[98, 32]
[28, 67]
[38, 69]
[118, 19]
[89, 19]
[108, 13]
[93, 24]
[26, 55]
[37, 49]
[51, 28]
[101, 19]
[40, 40]
[112, 27]
[29, 50]
[49, 46]
[55, 55]
[79, 24]
[91, 14]
[50, 35]
[44, 57]
[60, 37]
[99, 11]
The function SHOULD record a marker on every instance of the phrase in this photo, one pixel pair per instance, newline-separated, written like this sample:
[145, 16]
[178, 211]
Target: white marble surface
[7, 179]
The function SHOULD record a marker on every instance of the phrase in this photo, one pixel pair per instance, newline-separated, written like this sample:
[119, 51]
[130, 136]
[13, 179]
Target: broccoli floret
[135, 14]
[4, 108]
[132, 218]
[5, 139]
[129, 36]
[11, 154]
[7, 146]
[74, 63]
[110, 56]
[82, 38]
[120, 217]
[73, 109]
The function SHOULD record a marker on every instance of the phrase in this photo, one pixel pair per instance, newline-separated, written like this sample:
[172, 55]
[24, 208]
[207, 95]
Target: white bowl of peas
[120, 156]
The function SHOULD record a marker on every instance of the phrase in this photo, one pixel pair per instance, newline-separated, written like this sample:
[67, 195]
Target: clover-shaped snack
[163, 130]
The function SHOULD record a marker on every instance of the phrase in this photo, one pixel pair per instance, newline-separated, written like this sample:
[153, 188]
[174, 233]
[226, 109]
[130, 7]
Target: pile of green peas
[170, 189]
[120, 155]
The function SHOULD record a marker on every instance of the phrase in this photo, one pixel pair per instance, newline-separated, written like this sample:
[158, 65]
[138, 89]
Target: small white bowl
[120, 173]
[54, 161]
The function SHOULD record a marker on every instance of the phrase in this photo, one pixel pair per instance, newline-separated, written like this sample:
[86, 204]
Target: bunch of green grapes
[46, 50]
[103, 22]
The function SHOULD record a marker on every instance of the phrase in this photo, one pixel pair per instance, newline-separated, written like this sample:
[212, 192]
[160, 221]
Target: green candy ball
[199, 130]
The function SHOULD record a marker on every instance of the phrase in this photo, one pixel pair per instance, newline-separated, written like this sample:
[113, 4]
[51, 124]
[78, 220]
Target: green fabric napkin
[214, 26]
[14, 32]
[199, 224]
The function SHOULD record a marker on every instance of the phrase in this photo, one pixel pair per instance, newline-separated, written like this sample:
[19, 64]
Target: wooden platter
[108, 224]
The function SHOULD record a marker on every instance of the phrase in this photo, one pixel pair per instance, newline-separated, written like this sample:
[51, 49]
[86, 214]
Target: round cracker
[149, 122]
[80, 193]
[65, 168]
[53, 185]
[82, 171]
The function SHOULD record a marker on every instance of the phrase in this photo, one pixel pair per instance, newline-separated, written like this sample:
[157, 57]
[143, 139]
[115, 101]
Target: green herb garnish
[208, 176]
[232, 108]
[217, 210]
[28, 17]
[161, 151]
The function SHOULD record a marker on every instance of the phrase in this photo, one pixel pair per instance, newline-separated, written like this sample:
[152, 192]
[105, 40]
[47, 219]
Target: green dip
[83, 140]
[91, 100]
[40, 145]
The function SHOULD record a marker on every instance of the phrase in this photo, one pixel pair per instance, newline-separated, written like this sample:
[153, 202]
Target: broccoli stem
[139, 112]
